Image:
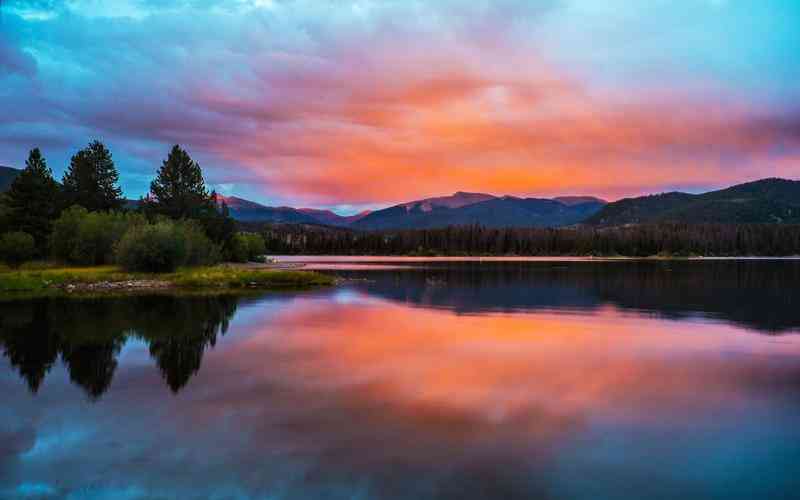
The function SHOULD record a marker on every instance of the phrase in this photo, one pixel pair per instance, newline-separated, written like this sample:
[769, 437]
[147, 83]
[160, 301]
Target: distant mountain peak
[456, 200]
[7, 176]
[577, 200]
[763, 201]
[332, 218]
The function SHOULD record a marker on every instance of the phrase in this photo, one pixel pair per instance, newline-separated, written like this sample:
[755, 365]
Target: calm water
[416, 379]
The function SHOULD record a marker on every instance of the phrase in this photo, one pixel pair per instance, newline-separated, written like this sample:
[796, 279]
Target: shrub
[16, 248]
[245, 247]
[5, 214]
[164, 246]
[89, 238]
[256, 248]
[200, 250]
[237, 248]
[152, 248]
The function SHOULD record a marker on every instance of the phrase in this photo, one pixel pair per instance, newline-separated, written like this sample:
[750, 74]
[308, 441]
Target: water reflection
[759, 294]
[365, 392]
[88, 335]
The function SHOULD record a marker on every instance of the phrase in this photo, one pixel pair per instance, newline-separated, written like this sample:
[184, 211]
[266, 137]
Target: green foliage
[641, 240]
[34, 279]
[40, 282]
[179, 191]
[88, 238]
[164, 246]
[245, 247]
[5, 214]
[152, 248]
[16, 248]
[256, 248]
[228, 276]
[200, 250]
[32, 200]
[218, 224]
[237, 249]
[91, 180]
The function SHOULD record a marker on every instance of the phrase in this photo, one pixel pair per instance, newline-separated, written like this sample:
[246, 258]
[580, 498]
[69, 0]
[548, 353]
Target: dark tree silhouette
[179, 190]
[30, 342]
[677, 239]
[92, 365]
[32, 200]
[5, 214]
[91, 180]
[88, 335]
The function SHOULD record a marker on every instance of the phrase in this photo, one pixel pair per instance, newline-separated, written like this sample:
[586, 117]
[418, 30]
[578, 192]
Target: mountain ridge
[489, 210]
[770, 200]
[332, 218]
[7, 176]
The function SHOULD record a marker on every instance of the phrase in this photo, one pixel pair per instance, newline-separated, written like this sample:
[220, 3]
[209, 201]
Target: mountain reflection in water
[443, 381]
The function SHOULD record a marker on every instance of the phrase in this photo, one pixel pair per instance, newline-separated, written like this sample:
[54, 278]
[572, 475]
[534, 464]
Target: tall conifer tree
[179, 191]
[33, 200]
[91, 180]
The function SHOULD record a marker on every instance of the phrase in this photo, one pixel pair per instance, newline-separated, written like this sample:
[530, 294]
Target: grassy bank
[45, 279]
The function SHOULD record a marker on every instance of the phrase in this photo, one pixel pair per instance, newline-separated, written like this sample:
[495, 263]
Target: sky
[354, 104]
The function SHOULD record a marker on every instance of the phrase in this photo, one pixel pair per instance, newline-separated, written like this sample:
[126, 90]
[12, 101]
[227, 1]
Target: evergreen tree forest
[631, 241]
[84, 220]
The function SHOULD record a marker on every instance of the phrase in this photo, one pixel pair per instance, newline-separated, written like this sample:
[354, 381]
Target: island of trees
[84, 220]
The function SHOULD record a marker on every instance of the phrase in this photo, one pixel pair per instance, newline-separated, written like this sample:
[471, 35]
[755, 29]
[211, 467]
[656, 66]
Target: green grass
[238, 277]
[34, 279]
[44, 278]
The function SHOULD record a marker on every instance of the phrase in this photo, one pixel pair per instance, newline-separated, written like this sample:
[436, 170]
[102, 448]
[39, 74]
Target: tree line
[85, 220]
[668, 239]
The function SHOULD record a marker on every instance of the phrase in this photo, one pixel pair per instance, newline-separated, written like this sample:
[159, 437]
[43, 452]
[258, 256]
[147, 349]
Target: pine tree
[179, 191]
[33, 200]
[5, 214]
[91, 180]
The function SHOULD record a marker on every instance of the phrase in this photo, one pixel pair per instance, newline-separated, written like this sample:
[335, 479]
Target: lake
[416, 378]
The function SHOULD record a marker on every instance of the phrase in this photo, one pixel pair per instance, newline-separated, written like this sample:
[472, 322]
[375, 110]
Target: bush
[152, 248]
[200, 251]
[245, 247]
[16, 248]
[164, 246]
[237, 248]
[256, 248]
[5, 214]
[89, 238]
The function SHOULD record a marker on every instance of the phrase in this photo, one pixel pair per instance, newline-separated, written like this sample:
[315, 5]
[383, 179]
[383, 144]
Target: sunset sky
[360, 104]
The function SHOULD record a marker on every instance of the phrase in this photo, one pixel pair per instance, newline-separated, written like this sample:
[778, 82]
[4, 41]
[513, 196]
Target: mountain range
[250, 211]
[765, 201]
[7, 176]
[477, 208]
[460, 208]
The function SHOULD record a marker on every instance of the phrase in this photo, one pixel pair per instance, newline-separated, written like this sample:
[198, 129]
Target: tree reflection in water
[88, 335]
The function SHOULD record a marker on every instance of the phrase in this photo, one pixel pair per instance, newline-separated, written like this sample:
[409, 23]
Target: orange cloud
[391, 125]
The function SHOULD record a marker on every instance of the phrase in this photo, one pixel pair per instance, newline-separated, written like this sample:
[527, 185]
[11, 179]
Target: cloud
[376, 102]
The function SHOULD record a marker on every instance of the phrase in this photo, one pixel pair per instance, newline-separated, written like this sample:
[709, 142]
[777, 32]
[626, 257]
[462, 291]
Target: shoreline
[305, 259]
[102, 280]
[286, 272]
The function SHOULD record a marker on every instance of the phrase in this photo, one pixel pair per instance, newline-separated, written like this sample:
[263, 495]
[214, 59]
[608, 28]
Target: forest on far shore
[643, 240]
